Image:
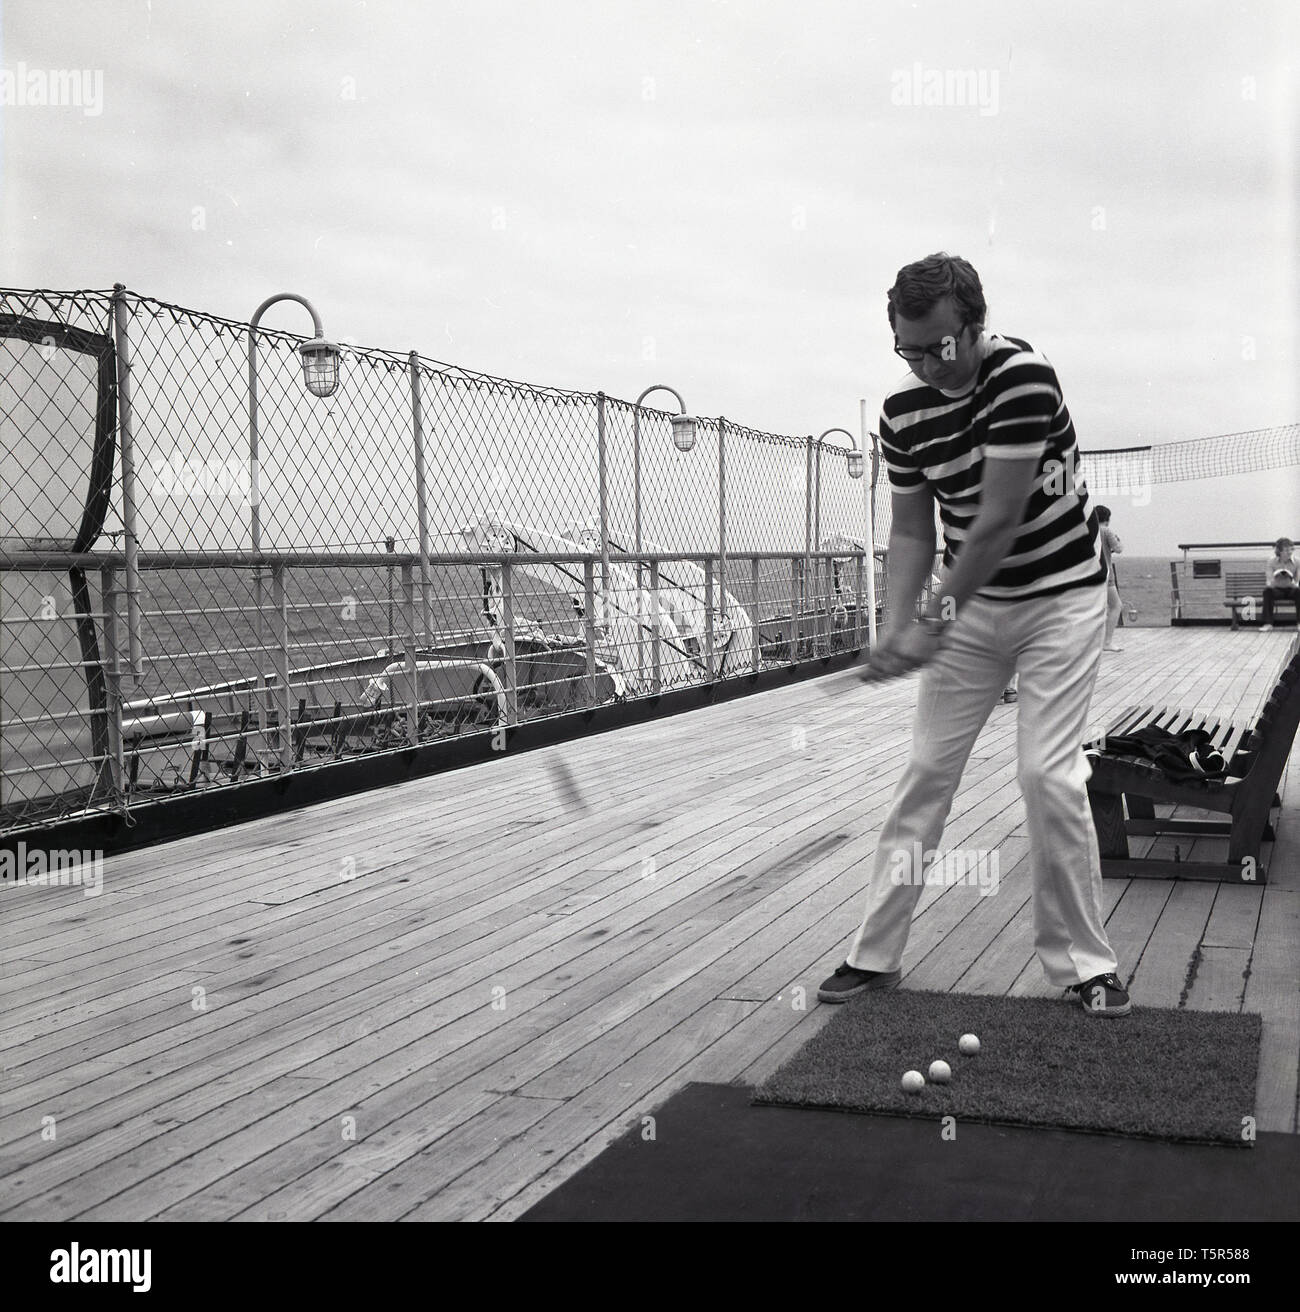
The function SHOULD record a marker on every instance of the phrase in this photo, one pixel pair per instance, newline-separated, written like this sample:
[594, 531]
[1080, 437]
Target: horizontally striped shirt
[1015, 411]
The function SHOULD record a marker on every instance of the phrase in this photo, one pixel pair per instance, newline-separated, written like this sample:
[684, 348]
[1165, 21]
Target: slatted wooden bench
[1244, 592]
[1256, 756]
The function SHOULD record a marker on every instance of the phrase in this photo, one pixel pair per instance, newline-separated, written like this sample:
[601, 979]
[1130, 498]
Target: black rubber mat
[715, 1156]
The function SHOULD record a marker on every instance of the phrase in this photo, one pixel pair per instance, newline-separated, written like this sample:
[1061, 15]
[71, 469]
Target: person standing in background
[1110, 546]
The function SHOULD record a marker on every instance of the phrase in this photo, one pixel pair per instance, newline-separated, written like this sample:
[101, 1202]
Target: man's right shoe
[1103, 995]
[848, 981]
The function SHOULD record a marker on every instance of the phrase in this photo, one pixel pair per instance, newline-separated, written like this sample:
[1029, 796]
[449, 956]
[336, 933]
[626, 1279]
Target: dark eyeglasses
[935, 351]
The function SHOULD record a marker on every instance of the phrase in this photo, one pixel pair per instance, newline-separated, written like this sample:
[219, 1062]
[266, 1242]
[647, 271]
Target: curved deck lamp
[683, 439]
[854, 458]
[854, 455]
[855, 471]
[320, 375]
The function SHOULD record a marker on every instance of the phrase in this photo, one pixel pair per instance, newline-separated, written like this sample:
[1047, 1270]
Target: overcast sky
[712, 195]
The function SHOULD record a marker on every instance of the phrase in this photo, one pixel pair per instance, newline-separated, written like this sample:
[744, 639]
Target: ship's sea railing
[339, 662]
[174, 493]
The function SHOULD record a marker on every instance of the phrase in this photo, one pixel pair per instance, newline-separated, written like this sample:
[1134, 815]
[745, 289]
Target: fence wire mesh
[201, 588]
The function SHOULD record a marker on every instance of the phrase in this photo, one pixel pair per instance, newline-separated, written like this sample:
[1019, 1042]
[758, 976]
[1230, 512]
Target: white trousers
[1054, 643]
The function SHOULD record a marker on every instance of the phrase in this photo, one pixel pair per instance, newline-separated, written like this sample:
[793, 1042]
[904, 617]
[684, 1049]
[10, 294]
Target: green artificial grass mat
[1186, 1076]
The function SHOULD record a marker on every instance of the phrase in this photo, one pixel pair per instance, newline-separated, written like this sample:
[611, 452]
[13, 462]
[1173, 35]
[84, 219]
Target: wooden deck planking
[512, 898]
[372, 997]
[960, 927]
[1273, 991]
[263, 1054]
[1226, 945]
[631, 1092]
[637, 1017]
[1166, 971]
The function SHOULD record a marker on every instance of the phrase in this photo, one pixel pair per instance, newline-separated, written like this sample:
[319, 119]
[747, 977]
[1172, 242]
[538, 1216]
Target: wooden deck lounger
[1257, 753]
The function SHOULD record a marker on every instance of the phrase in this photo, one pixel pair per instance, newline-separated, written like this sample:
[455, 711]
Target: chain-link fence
[211, 573]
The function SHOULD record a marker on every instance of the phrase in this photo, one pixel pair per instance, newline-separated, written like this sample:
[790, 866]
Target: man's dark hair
[1103, 514]
[919, 287]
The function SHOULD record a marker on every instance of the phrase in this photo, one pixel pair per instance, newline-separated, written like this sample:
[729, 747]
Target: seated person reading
[1280, 577]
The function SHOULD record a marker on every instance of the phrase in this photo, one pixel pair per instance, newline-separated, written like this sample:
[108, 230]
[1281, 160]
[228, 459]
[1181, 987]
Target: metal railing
[196, 548]
[352, 659]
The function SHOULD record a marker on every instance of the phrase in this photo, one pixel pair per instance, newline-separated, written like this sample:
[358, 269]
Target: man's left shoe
[1103, 995]
[848, 981]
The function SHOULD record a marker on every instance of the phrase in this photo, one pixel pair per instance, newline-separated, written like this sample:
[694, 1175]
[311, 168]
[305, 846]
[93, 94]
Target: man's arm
[902, 645]
[911, 555]
[1008, 484]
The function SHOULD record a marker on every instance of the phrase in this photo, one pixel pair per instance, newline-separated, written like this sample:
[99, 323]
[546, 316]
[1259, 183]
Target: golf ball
[940, 1072]
[913, 1082]
[968, 1044]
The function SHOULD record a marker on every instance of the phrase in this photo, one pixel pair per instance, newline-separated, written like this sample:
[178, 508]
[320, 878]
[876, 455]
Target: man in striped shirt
[981, 428]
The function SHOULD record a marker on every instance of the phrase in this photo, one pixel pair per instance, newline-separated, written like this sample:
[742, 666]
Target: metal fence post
[255, 527]
[408, 655]
[821, 599]
[421, 495]
[604, 505]
[708, 616]
[588, 618]
[861, 596]
[807, 518]
[817, 583]
[636, 527]
[754, 652]
[508, 636]
[722, 525]
[125, 428]
[869, 507]
[656, 666]
[254, 452]
[390, 641]
[817, 497]
[263, 691]
[796, 592]
[113, 676]
[280, 601]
